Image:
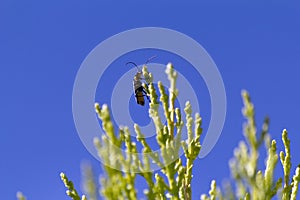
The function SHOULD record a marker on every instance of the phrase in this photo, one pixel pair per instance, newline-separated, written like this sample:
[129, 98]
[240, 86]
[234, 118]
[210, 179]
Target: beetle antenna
[134, 65]
[151, 58]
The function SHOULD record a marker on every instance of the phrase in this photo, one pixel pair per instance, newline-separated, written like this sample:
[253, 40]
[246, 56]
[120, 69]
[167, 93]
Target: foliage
[20, 196]
[173, 180]
[249, 181]
[121, 169]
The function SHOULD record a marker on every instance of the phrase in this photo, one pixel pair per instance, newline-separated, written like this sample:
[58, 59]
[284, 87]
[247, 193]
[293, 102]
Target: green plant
[249, 181]
[20, 196]
[122, 169]
[173, 180]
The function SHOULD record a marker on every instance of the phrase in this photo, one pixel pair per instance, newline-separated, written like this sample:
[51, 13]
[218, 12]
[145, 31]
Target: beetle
[139, 90]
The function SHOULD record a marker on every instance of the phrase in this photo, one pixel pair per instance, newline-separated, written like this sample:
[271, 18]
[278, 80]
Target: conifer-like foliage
[123, 162]
[174, 178]
[250, 182]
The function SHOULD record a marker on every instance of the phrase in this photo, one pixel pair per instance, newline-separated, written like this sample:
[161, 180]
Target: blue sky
[42, 45]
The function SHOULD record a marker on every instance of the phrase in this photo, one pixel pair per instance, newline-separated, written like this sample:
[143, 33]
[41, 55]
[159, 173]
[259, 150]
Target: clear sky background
[256, 46]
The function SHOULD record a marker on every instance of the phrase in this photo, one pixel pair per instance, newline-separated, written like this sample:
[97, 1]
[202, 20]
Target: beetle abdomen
[140, 98]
